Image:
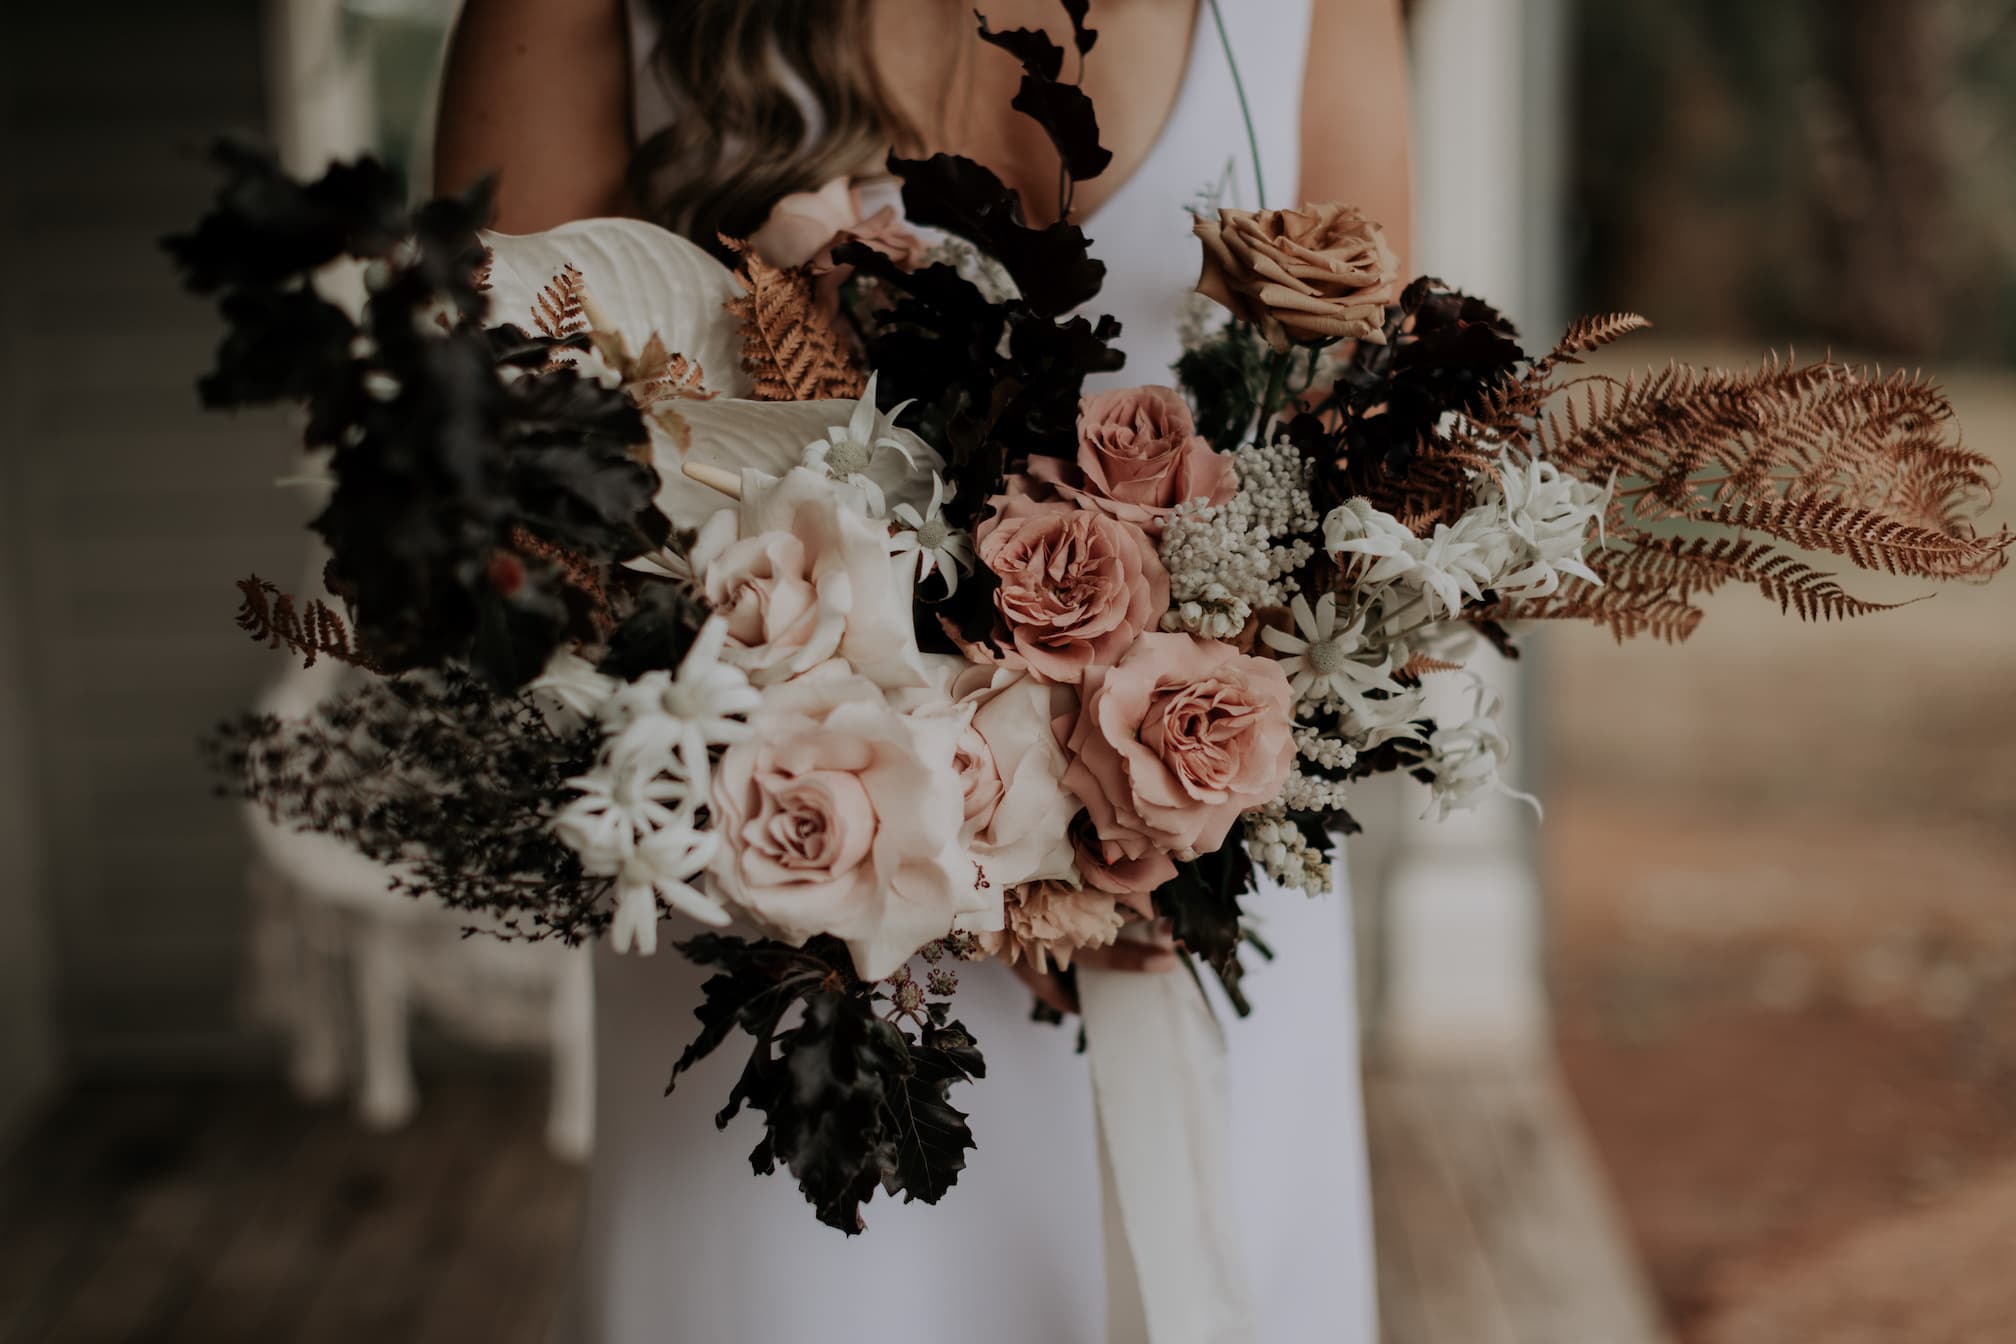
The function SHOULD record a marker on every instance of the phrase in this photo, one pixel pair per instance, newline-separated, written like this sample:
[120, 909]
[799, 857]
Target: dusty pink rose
[1177, 739]
[1018, 814]
[1077, 586]
[1047, 922]
[1108, 866]
[1139, 456]
[841, 815]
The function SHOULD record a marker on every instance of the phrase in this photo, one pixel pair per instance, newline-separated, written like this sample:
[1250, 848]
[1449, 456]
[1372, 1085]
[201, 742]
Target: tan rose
[1319, 274]
[1048, 922]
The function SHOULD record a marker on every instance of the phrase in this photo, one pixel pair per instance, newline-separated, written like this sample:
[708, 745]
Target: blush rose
[841, 815]
[1176, 740]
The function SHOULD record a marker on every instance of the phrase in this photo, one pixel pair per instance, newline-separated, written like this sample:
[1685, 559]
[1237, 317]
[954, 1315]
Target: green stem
[1239, 87]
[1277, 376]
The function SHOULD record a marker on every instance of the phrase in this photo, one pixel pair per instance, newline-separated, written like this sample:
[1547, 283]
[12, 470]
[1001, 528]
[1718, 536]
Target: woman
[702, 114]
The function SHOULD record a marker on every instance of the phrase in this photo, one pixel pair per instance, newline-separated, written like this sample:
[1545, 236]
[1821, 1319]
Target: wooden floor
[216, 1214]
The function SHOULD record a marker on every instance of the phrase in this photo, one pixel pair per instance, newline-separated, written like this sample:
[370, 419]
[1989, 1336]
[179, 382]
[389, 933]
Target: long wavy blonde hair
[769, 97]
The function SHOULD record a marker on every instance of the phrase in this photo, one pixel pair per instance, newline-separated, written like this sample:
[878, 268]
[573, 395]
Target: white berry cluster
[1285, 855]
[1325, 749]
[1226, 560]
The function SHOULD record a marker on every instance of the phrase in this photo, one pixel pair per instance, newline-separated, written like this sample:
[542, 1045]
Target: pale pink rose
[1077, 586]
[1024, 835]
[1109, 866]
[1139, 456]
[979, 781]
[804, 227]
[1046, 922]
[802, 578]
[1177, 739]
[841, 815]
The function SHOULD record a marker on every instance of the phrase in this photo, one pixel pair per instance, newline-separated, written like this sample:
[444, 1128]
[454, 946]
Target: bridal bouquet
[799, 588]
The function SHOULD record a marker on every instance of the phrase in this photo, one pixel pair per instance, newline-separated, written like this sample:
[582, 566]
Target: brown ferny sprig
[1768, 462]
[791, 347]
[276, 620]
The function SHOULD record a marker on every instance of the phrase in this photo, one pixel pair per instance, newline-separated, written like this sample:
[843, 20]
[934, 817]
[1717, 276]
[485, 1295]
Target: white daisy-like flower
[1467, 760]
[634, 791]
[939, 547]
[571, 682]
[1322, 662]
[702, 705]
[852, 452]
[660, 871]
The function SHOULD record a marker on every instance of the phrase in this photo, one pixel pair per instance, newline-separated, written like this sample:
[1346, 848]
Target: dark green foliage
[1224, 378]
[850, 1099]
[1201, 904]
[438, 456]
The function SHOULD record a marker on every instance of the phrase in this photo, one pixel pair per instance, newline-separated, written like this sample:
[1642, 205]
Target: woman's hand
[1150, 956]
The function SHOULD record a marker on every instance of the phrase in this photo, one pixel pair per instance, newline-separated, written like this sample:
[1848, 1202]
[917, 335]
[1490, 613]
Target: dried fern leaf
[557, 312]
[1684, 568]
[1586, 335]
[1626, 614]
[274, 619]
[791, 349]
[1870, 539]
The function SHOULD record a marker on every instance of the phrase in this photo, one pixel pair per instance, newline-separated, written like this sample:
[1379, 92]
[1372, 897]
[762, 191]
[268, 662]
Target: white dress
[682, 1244]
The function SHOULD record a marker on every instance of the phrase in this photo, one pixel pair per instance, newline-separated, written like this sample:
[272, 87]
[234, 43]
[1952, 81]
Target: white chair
[341, 961]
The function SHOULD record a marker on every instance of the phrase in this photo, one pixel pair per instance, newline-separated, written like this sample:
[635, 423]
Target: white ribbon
[1175, 1273]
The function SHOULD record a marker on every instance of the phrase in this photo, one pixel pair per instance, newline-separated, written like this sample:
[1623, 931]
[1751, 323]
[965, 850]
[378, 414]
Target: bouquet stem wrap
[1175, 1274]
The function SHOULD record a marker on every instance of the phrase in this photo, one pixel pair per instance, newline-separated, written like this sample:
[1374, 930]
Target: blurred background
[1721, 1053]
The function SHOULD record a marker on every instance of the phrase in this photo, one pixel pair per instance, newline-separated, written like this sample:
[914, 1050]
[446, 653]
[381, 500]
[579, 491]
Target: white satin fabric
[681, 1244]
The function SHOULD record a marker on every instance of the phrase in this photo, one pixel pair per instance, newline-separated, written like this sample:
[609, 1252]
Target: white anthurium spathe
[772, 437]
[637, 280]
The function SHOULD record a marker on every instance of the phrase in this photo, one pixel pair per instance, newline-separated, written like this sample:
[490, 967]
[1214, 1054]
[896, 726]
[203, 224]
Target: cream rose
[1177, 739]
[1322, 273]
[801, 578]
[1139, 456]
[1018, 813]
[1077, 586]
[841, 815]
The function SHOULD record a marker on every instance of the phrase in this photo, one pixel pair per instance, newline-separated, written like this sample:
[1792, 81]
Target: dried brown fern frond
[1586, 335]
[1624, 612]
[658, 375]
[792, 349]
[1869, 538]
[276, 620]
[1684, 568]
[557, 312]
[580, 577]
[1420, 665]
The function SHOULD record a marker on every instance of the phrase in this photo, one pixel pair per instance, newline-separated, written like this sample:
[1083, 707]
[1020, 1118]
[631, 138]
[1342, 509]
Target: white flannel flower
[1545, 515]
[659, 870]
[1356, 528]
[702, 705]
[1450, 568]
[637, 821]
[938, 546]
[572, 682]
[1467, 761]
[850, 452]
[1322, 663]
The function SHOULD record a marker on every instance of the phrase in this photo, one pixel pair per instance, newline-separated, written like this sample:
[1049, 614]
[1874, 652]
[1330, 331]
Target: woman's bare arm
[1356, 143]
[538, 92]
